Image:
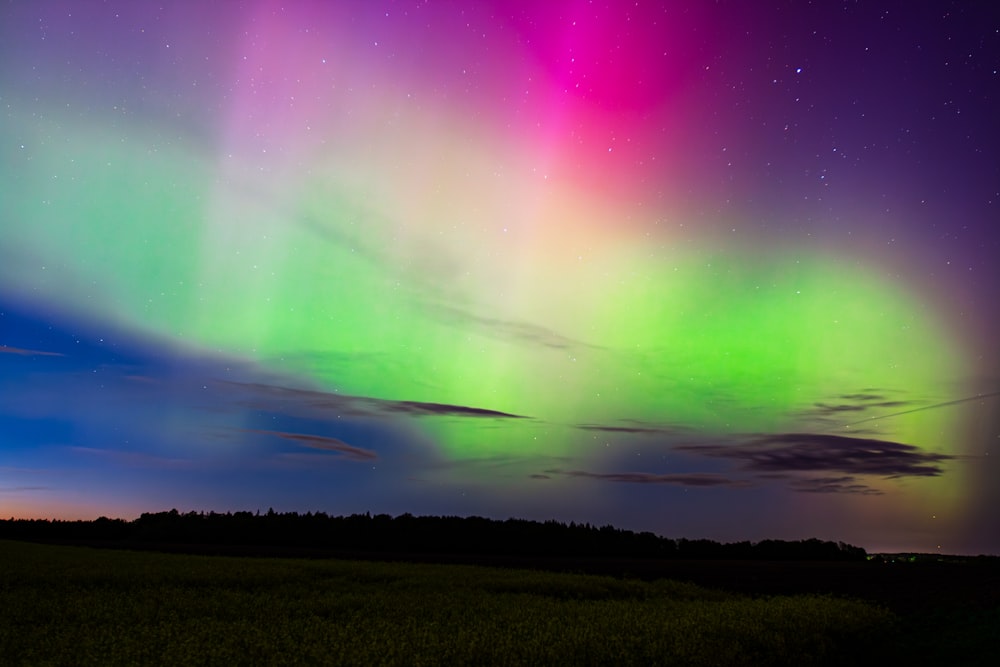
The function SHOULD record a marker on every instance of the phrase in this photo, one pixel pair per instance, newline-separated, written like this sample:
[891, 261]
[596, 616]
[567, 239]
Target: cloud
[299, 460]
[24, 352]
[832, 409]
[846, 484]
[324, 443]
[787, 452]
[22, 489]
[863, 401]
[862, 397]
[18, 470]
[433, 270]
[681, 479]
[639, 428]
[132, 459]
[362, 406]
[958, 401]
[824, 408]
[421, 408]
[857, 402]
[524, 332]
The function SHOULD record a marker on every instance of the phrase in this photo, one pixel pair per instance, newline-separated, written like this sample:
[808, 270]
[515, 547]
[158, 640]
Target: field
[80, 606]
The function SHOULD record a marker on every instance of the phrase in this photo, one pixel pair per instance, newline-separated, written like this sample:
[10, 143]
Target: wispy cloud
[439, 409]
[821, 452]
[861, 405]
[432, 278]
[837, 407]
[681, 479]
[19, 470]
[846, 484]
[825, 408]
[301, 460]
[862, 396]
[132, 459]
[934, 406]
[324, 443]
[24, 352]
[634, 427]
[524, 332]
[363, 406]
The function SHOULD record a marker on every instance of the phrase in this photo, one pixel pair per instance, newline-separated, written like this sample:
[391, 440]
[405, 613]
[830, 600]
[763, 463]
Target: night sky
[719, 270]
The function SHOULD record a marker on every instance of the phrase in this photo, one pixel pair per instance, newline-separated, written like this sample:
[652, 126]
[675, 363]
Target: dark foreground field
[70, 605]
[947, 611]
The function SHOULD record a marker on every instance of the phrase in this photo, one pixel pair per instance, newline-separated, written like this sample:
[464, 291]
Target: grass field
[72, 605]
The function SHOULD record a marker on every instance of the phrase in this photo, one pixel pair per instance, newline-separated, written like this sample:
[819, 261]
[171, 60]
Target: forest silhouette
[407, 534]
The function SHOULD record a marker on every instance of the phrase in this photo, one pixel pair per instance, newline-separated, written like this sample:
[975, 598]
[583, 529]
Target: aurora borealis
[722, 270]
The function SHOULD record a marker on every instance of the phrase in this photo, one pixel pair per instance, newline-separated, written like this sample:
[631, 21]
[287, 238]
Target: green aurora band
[317, 281]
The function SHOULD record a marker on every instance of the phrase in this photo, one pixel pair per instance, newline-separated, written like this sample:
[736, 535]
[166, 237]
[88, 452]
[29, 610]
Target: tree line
[408, 534]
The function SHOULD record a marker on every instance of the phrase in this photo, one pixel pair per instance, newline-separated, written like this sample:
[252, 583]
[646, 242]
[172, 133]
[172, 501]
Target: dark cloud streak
[363, 406]
[846, 484]
[820, 452]
[325, 443]
[633, 430]
[524, 332]
[681, 479]
[4, 349]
